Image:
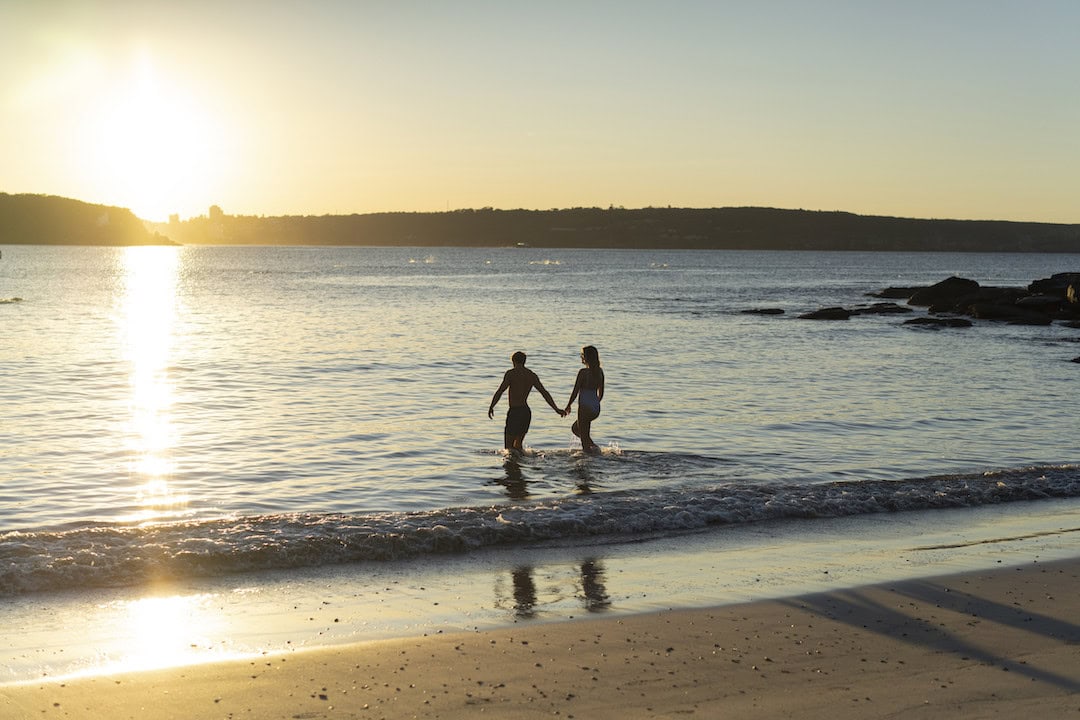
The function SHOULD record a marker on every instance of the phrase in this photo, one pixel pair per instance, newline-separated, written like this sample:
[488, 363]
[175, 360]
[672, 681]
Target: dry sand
[999, 644]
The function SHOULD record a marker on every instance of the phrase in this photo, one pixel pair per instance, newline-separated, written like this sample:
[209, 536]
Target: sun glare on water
[158, 631]
[147, 317]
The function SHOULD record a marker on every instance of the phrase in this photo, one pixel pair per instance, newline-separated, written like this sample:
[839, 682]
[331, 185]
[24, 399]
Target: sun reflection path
[166, 632]
[147, 319]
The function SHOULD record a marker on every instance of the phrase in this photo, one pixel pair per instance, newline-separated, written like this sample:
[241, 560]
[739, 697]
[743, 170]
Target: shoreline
[993, 643]
[200, 621]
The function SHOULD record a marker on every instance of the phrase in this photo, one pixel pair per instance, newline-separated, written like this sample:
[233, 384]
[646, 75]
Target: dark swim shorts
[518, 420]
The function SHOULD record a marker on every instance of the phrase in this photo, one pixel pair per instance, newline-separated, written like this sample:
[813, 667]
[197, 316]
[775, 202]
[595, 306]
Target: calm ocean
[203, 411]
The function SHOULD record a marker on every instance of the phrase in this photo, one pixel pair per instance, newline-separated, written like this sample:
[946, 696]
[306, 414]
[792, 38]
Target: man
[520, 381]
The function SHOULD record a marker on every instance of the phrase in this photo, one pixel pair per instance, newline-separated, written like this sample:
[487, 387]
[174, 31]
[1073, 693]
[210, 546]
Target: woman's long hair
[591, 356]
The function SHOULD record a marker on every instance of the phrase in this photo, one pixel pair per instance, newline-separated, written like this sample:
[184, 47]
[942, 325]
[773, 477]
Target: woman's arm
[574, 392]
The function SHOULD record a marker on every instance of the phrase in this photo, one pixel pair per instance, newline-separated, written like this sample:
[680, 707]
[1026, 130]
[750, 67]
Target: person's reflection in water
[593, 596]
[524, 592]
[592, 585]
[584, 478]
[514, 481]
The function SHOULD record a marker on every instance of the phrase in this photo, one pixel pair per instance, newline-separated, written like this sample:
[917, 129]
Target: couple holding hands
[519, 380]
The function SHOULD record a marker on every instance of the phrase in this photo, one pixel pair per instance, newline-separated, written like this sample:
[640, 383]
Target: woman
[589, 391]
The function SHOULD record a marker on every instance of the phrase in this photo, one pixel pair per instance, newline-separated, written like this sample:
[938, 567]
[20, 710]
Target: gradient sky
[917, 108]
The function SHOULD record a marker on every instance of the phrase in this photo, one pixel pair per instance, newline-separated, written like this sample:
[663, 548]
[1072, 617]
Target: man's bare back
[519, 381]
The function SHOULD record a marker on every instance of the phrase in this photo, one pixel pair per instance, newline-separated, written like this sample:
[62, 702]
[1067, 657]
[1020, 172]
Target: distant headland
[50, 220]
[38, 219]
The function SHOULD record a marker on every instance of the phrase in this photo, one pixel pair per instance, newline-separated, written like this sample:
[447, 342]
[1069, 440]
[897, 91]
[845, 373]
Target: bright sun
[152, 146]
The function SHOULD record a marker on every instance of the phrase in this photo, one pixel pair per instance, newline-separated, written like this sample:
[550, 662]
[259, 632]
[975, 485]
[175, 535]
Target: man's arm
[498, 394]
[547, 396]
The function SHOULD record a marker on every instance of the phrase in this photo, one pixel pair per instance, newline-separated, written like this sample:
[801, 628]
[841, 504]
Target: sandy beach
[1001, 643]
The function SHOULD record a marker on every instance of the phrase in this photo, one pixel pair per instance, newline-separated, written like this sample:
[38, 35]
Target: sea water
[184, 413]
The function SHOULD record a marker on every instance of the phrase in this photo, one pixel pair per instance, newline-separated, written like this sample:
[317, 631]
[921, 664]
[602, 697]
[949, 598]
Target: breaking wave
[116, 555]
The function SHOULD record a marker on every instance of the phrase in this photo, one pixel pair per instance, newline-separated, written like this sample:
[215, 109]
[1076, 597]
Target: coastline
[936, 614]
[994, 643]
[206, 620]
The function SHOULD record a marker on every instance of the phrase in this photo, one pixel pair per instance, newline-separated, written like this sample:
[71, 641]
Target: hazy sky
[919, 108]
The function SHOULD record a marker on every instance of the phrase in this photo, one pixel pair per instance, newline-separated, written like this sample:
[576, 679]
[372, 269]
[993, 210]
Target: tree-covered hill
[709, 228]
[50, 220]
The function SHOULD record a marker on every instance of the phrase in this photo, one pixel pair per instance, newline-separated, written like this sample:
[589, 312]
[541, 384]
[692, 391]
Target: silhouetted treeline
[49, 220]
[41, 219]
[717, 228]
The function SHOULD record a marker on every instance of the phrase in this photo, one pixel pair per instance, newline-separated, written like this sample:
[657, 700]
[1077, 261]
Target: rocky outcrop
[981, 295]
[953, 300]
[840, 313]
[947, 292]
[1012, 314]
[1040, 303]
[938, 323]
[1057, 285]
[829, 313]
[894, 293]
[882, 309]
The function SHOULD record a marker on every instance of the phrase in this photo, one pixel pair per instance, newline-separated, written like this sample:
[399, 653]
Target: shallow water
[207, 410]
[253, 615]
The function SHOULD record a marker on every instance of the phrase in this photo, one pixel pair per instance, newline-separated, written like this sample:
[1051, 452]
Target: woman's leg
[582, 428]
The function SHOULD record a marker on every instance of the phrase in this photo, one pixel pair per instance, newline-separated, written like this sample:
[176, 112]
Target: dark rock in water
[763, 311]
[839, 313]
[1012, 314]
[947, 291]
[1067, 311]
[882, 309]
[1075, 360]
[831, 313]
[1053, 307]
[1074, 324]
[1000, 295]
[963, 304]
[896, 293]
[939, 322]
[1042, 303]
[1057, 284]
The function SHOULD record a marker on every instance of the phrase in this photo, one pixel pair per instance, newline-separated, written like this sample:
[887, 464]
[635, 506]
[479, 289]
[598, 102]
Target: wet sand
[1001, 643]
